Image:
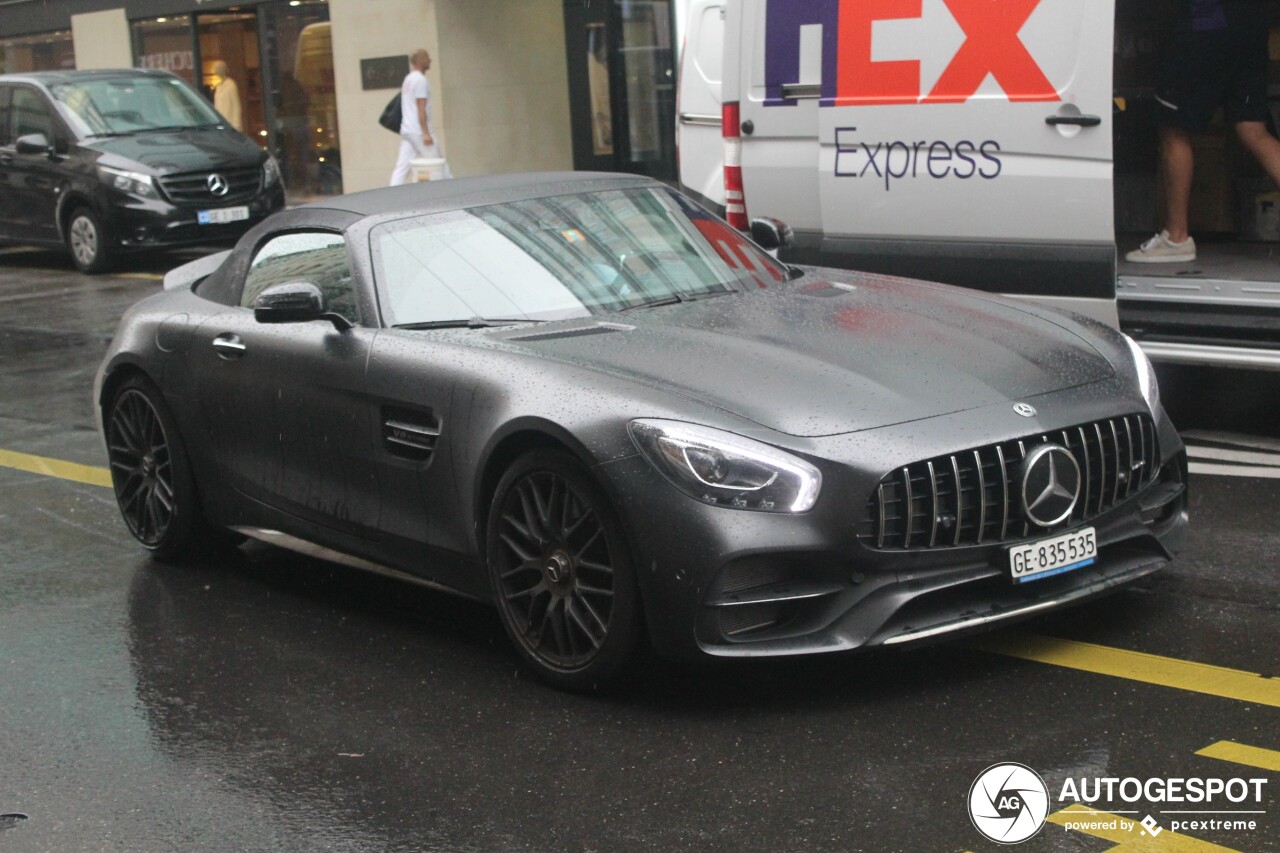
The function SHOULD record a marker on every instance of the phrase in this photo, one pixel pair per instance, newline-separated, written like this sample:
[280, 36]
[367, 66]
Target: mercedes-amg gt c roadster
[586, 400]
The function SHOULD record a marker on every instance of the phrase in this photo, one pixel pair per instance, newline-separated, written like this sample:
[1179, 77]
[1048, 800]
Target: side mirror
[33, 143]
[771, 234]
[295, 302]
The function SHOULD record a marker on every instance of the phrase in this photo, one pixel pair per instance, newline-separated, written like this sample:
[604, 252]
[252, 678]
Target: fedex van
[1007, 146]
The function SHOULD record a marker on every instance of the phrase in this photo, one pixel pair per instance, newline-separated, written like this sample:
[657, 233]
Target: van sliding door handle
[1078, 121]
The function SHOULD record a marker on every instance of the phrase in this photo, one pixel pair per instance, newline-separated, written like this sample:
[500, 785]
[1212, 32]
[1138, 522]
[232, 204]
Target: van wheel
[87, 241]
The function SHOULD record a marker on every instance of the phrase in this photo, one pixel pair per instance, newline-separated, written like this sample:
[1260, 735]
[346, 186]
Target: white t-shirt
[414, 88]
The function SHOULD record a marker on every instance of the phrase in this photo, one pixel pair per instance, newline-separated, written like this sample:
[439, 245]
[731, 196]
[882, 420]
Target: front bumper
[730, 583]
[138, 224]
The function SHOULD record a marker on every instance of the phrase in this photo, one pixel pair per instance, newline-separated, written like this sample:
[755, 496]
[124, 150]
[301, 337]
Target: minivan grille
[971, 498]
[193, 187]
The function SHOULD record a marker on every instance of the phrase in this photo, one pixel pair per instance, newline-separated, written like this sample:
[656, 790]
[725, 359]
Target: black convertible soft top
[461, 193]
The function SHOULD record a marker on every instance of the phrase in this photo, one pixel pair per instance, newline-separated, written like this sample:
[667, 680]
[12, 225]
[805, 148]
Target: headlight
[724, 469]
[133, 183]
[1146, 374]
[270, 171]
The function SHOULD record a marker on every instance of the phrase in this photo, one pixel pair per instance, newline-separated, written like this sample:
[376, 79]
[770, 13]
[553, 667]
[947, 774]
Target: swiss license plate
[222, 215]
[1049, 557]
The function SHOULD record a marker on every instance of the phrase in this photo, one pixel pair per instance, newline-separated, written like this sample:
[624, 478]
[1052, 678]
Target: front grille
[193, 187]
[971, 498]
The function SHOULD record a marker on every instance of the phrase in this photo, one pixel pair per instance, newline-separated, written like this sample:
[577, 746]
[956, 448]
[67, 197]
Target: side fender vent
[410, 434]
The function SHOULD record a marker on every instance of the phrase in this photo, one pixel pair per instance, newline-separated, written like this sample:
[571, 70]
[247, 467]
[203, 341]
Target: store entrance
[231, 69]
[270, 72]
[622, 86]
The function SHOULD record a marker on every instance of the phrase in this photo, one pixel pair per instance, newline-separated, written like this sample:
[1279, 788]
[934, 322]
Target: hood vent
[577, 332]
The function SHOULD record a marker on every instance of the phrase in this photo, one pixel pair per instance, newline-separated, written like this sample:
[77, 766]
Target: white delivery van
[1008, 146]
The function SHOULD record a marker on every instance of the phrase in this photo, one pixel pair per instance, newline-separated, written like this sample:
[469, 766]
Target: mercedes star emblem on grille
[1050, 485]
[1025, 409]
[217, 184]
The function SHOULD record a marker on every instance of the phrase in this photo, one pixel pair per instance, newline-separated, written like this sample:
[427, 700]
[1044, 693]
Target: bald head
[420, 59]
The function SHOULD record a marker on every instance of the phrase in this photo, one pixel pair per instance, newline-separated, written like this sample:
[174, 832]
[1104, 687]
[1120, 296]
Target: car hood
[836, 355]
[167, 152]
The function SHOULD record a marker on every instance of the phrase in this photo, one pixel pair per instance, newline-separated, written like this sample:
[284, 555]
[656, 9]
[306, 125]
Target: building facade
[517, 85]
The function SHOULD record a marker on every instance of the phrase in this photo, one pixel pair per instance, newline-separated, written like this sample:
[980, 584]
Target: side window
[28, 113]
[318, 257]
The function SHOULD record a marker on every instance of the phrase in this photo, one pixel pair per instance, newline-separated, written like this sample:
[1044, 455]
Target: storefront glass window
[165, 44]
[44, 52]
[231, 70]
[269, 72]
[300, 83]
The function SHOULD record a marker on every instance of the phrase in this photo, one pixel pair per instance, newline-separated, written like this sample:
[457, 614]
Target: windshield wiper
[679, 297]
[654, 303]
[471, 323]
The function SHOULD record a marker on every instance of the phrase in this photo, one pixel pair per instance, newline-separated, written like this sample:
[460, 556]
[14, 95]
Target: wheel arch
[67, 205]
[115, 376]
[506, 446]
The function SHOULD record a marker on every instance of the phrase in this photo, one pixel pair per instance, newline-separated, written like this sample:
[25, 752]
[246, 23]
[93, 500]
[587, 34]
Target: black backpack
[391, 116]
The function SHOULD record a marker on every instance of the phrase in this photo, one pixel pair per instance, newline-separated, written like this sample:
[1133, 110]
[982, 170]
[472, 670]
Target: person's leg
[1186, 97]
[1178, 166]
[1262, 145]
[400, 174]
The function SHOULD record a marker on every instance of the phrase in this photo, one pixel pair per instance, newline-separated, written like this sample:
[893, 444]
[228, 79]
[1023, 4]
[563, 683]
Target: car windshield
[561, 257]
[114, 106]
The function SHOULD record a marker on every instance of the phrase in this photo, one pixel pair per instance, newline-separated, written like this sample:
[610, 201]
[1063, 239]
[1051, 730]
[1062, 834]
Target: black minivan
[106, 162]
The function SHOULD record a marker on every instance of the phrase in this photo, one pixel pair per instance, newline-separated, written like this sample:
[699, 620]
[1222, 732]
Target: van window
[29, 113]
[119, 105]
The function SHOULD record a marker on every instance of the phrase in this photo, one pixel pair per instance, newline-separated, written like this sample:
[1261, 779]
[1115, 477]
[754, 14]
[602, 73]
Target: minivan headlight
[270, 171]
[134, 183]
[724, 469]
[1147, 383]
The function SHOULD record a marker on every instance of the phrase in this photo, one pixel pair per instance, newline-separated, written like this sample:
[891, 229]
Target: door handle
[1078, 121]
[229, 346]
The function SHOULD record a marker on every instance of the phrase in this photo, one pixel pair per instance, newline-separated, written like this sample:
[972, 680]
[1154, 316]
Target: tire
[87, 241]
[151, 474]
[561, 572]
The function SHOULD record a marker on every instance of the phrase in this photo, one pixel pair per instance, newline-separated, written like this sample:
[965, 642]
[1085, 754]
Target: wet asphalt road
[264, 701]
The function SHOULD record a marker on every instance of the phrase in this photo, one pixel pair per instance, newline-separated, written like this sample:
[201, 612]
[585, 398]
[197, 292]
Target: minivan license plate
[1054, 556]
[222, 215]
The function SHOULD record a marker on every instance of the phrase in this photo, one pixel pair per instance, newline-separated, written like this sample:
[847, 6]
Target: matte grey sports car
[586, 400]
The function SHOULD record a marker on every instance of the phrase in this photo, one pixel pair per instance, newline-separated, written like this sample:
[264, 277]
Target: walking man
[416, 139]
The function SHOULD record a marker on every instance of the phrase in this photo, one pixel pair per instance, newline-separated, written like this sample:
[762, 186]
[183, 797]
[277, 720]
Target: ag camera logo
[1008, 803]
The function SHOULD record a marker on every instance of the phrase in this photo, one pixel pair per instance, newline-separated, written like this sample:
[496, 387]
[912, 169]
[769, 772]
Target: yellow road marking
[1136, 666]
[1128, 834]
[55, 468]
[150, 276]
[1239, 753]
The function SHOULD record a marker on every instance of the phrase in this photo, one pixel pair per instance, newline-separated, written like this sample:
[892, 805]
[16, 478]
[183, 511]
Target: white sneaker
[1161, 250]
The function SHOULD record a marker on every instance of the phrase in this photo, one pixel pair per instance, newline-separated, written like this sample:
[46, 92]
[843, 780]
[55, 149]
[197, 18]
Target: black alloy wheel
[561, 572]
[149, 471]
[87, 241]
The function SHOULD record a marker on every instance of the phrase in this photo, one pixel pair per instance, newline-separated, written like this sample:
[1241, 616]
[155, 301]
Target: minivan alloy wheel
[84, 240]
